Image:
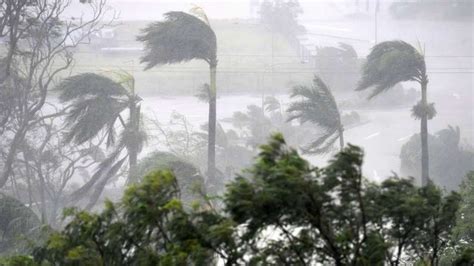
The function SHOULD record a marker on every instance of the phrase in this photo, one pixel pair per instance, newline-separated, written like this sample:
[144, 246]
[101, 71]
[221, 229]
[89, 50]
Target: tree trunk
[424, 135]
[211, 146]
[341, 138]
[42, 187]
[133, 150]
[11, 155]
[135, 128]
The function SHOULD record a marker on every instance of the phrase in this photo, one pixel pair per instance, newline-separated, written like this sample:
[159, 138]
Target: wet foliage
[318, 106]
[89, 177]
[180, 37]
[283, 206]
[450, 159]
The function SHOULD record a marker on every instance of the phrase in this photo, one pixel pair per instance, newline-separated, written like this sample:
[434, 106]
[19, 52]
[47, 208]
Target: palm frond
[88, 117]
[389, 63]
[124, 78]
[323, 144]
[271, 104]
[317, 105]
[88, 84]
[200, 13]
[133, 140]
[180, 37]
[96, 102]
[421, 110]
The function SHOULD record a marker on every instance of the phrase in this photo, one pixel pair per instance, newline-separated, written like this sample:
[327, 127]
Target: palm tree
[179, 38]
[96, 104]
[319, 107]
[392, 62]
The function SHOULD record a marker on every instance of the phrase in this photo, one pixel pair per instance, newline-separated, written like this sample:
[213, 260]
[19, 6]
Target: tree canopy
[180, 37]
[280, 211]
[317, 106]
[389, 63]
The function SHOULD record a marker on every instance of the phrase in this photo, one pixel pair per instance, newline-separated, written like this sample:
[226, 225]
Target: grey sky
[219, 9]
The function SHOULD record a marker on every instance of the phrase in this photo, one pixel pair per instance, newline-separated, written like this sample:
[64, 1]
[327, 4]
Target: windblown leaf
[96, 102]
[317, 106]
[180, 37]
[89, 116]
[389, 63]
[89, 84]
[420, 110]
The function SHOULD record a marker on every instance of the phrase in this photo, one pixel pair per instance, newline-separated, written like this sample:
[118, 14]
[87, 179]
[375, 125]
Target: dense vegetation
[135, 190]
[282, 210]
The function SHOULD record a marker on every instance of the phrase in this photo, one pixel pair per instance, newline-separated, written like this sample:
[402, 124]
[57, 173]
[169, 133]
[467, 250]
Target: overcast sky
[220, 9]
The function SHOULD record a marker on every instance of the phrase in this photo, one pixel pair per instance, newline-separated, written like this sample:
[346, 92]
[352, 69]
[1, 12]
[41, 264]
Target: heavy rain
[236, 132]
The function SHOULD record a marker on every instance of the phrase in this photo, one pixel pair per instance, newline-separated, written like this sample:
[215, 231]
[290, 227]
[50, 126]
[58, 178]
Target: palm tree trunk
[133, 151]
[424, 135]
[211, 146]
[135, 127]
[341, 138]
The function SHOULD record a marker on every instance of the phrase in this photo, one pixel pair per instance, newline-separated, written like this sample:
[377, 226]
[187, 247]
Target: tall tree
[183, 37]
[450, 161]
[465, 216]
[96, 105]
[337, 218]
[392, 62]
[40, 47]
[318, 106]
[281, 16]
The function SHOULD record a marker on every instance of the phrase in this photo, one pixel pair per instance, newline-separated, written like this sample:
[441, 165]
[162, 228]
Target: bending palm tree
[392, 62]
[96, 105]
[318, 106]
[179, 38]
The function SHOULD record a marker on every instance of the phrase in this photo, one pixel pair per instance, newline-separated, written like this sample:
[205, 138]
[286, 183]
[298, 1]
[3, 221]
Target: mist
[247, 129]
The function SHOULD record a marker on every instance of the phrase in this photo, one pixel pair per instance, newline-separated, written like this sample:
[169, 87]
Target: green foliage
[317, 106]
[189, 178]
[336, 217]
[464, 232]
[180, 37]
[19, 226]
[449, 161]
[148, 227]
[96, 103]
[18, 260]
[420, 110]
[322, 222]
[89, 84]
[440, 216]
[466, 258]
[281, 211]
[389, 63]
